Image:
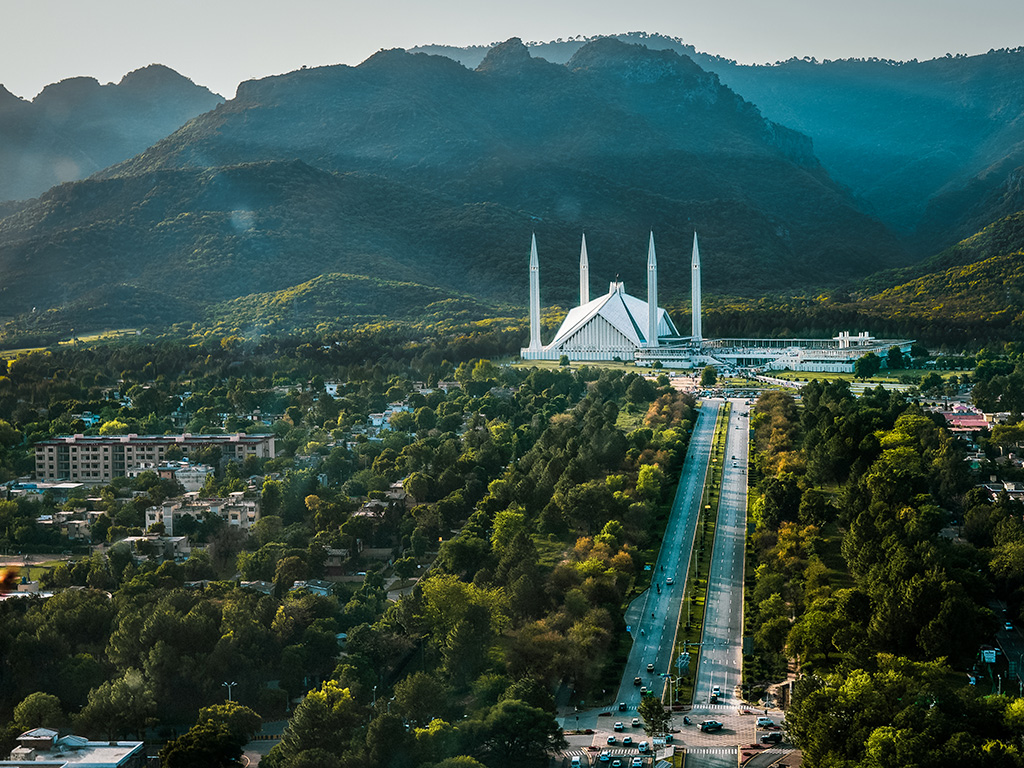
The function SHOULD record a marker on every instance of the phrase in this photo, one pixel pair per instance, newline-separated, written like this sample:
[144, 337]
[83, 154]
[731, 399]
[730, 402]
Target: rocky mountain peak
[509, 56]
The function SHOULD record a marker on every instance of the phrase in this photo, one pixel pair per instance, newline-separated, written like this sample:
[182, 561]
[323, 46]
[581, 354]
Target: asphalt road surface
[653, 616]
[721, 661]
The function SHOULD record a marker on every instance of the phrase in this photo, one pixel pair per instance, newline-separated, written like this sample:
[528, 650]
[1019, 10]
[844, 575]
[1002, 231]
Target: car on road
[616, 763]
[650, 668]
[622, 706]
[641, 747]
[637, 763]
[772, 738]
[627, 741]
[1008, 626]
[765, 722]
[636, 722]
[716, 692]
[613, 740]
[618, 726]
[670, 581]
[710, 726]
[605, 756]
[643, 690]
[575, 762]
[637, 681]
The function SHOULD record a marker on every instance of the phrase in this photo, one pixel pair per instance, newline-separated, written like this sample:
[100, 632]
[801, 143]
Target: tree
[650, 481]
[894, 359]
[388, 742]
[120, 707]
[709, 376]
[39, 710]
[422, 697]
[270, 498]
[325, 720]
[204, 744]
[289, 570]
[460, 761]
[654, 715]
[867, 365]
[514, 732]
[242, 723]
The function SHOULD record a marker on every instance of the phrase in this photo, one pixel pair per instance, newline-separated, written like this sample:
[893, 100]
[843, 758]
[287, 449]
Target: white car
[637, 763]
[765, 722]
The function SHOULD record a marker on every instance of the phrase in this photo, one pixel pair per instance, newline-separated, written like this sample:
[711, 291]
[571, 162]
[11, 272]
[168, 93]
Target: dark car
[622, 706]
[637, 681]
[772, 738]
[710, 726]
[650, 668]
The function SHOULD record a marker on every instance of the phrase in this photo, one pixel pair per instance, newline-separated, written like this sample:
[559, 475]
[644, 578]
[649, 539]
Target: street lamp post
[229, 686]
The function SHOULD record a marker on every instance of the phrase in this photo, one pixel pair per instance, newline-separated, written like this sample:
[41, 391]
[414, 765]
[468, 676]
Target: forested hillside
[415, 168]
[921, 143]
[76, 127]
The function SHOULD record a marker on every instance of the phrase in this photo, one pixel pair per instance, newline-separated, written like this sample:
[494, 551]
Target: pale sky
[219, 43]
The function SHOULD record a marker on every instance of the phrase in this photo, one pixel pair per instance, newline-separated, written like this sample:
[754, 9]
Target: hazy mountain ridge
[900, 135]
[512, 131]
[76, 127]
[414, 167]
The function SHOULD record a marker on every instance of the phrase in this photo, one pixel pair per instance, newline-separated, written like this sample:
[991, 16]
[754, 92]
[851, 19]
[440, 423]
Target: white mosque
[618, 326]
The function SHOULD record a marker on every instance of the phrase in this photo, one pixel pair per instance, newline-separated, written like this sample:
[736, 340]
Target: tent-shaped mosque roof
[627, 314]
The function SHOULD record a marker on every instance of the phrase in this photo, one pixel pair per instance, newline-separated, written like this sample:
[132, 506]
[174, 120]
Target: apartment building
[97, 459]
[236, 510]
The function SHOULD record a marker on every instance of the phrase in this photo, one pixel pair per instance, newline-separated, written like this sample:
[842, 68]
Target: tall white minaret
[584, 273]
[695, 292]
[652, 296]
[534, 296]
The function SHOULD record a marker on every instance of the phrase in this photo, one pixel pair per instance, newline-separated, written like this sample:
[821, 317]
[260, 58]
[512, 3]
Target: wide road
[721, 659]
[653, 637]
[654, 616]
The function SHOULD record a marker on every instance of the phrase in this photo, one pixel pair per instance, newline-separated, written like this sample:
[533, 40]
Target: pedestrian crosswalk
[711, 750]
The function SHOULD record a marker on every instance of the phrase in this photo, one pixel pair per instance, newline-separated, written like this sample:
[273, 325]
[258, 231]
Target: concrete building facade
[98, 459]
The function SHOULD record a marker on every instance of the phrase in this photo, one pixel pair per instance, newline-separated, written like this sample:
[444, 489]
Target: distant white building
[160, 547]
[191, 476]
[237, 510]
[618, 326]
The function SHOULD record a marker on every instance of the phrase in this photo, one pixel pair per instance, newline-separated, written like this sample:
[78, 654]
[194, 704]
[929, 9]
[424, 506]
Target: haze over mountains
[413, 177]
[903, 136]
[77, 126]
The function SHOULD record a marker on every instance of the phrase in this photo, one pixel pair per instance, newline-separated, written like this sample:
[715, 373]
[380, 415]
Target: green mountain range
[413, 168]
[409, 186]
[914, 141]
[76, 127]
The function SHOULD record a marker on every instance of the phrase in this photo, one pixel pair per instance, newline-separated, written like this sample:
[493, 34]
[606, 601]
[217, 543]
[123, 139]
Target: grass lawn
[88, 338]
[886, 377]
[550, 551]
